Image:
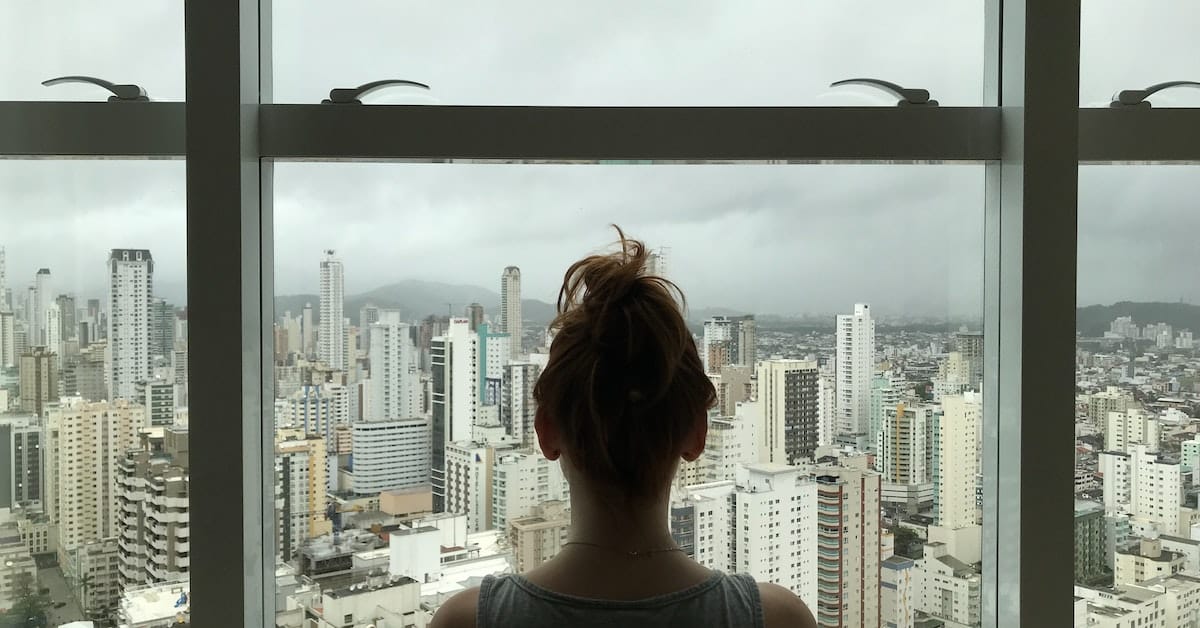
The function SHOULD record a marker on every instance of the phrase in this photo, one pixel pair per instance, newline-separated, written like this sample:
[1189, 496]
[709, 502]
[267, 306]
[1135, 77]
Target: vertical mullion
[225, 315]
[1031, 237]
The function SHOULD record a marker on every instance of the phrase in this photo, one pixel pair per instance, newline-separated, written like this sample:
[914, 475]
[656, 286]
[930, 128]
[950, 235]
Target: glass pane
[411, 324]
[138, 42]
[93, 392]
[683, 52]
[1137, 525]
[1133, 45]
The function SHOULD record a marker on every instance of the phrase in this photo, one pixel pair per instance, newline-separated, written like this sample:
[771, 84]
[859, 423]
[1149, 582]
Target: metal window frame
[1031, 134]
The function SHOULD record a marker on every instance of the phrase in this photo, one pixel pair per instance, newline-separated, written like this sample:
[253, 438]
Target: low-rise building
[539, 537]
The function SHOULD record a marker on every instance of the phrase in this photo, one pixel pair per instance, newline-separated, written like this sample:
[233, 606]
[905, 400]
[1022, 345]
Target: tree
[29, 611]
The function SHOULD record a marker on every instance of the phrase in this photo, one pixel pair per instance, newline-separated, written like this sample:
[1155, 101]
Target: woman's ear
[548, 438]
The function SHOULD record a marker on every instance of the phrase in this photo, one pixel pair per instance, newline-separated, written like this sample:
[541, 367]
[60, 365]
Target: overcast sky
[786, 239]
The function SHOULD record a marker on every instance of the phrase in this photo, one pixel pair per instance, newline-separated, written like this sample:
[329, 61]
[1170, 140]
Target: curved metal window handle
[907, 97]
[1137, 97]
[120, 93]
[353, 95]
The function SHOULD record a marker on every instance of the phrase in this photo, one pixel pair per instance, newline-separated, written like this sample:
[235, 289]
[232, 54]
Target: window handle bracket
[907, 97]
[354, 95]
[1136, 98]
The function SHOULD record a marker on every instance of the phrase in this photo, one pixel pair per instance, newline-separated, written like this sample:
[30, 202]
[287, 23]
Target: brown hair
[624, 385]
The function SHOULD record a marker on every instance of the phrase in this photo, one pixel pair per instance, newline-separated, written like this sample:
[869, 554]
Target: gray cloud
[767, 238]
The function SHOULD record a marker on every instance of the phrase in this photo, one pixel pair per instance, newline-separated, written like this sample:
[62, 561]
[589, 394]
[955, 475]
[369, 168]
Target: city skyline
[763, 218]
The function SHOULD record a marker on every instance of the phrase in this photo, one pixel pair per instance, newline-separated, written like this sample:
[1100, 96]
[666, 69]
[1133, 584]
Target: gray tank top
[722, 601]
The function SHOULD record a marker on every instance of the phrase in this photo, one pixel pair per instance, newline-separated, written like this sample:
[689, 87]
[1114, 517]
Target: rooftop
[366, 587]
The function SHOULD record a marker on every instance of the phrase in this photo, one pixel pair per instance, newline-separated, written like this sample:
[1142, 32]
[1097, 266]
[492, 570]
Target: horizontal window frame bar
[92, 129]
[314, 132]
[40, 129]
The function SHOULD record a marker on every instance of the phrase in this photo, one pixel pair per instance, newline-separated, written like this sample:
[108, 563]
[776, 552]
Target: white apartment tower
[1147, 487]
[788, 392]
[521, 480]
[510, 307]
[331, 338]
[848, 542]
[855, 355]
[390, 454]
[395, 390]
[903, 444]
[517, 405]
[131, 290]
[956, 460]
[1132, 427]
[84, 443]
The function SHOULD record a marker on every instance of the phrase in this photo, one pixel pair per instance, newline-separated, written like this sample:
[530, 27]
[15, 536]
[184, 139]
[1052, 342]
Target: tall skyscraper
[970, 345]
[517, 405]
[510, 307]
[308, 332]
[855, 359]
[38, 380]
[8, 340]
[20, 460]
[788, 392]
[848, 540]
[904, 455]
[84, 443]
[162, 329]
[657, 263]
[131, 290]
[956, 460]
[300, 491]
[152, 487]
[474, 313]
[395, 389]
[42, 294]
[331, 339]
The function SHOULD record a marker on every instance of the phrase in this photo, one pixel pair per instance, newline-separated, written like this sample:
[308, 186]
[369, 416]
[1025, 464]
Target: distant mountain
[1092, 321]
[417, 299]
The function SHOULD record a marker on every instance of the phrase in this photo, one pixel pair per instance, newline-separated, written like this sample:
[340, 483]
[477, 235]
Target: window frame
[1031, 134]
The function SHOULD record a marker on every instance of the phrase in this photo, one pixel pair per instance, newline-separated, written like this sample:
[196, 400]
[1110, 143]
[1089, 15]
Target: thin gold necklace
[646, 553]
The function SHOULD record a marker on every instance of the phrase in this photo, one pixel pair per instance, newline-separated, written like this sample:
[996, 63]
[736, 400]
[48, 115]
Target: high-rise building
[788, 395]
[522, 479]
[8, 341]
[131, 289]
[20, 460]
[300, 491]
[657, 263]
[152, 490]
[897, 593]
[730, 443]
[390, 454]
[83, 444]
[68, 317]
[162, 329]
[469, 488]
[827, 405]
[395, 389]
[729, 340]
[467, 382]
[855, 359]
[331, 339]
[969, 344]
[1089, 552]
[1147, 487]
[885, 394]
[308, 332]
[517, 407]
[1111, 399]
[43, 296]
[474, 314]
[734, 384]
[764, 523]
[539, 537]
[367, 315]
[903, 444]
[510, 307]
[1133, 426]
[158, 397]
[848, 541]
[38, 380]
[956, 461]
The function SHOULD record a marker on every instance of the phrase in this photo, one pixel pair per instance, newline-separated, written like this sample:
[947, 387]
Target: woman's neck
[617, 524]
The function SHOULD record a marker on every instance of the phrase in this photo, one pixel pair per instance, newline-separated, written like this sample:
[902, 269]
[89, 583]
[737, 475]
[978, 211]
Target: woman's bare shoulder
[782, 609]
[458, 611]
